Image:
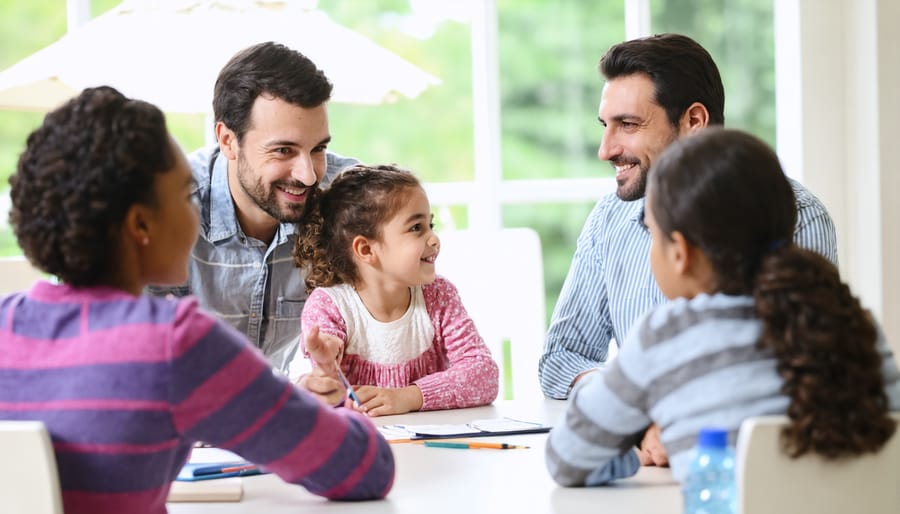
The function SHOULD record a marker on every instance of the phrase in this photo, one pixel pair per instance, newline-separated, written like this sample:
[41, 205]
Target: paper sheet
[480, 427]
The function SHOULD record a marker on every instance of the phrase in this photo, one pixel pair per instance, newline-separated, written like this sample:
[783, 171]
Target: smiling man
[657, 90]
[272, 133]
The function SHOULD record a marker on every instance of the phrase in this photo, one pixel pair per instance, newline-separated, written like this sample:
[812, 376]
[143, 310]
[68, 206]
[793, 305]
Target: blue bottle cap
[713, 438]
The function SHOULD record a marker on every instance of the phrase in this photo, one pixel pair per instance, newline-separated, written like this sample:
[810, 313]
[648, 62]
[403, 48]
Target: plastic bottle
[709, 486]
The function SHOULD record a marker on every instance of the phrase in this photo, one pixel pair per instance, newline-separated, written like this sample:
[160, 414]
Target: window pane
[432, 134]
[550, 86]
[739, 34]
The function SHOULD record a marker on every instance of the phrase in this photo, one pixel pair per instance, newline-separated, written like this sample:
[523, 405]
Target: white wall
[837, 85]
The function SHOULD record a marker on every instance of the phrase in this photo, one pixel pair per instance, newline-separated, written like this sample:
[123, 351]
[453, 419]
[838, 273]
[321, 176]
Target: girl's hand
[381, 401]
[325, 350]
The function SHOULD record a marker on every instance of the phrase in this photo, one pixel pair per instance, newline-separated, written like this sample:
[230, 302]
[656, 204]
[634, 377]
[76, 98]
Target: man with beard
[657, 90]
[271, 127]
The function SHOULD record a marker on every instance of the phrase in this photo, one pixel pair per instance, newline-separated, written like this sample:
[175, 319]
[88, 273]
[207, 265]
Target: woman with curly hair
[126, 383]
[399, 331]
[756, 325]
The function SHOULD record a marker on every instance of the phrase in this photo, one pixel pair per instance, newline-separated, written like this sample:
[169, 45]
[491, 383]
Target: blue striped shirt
[685, 365]
[251, 285]
[610, 284]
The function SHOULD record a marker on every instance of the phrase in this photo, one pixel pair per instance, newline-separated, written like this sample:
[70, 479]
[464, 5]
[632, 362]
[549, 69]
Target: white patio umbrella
[169, 52]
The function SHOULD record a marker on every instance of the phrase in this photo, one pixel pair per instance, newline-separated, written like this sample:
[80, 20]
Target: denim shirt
[251, 285]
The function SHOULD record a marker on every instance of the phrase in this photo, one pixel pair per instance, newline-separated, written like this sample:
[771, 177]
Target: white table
[440, 480]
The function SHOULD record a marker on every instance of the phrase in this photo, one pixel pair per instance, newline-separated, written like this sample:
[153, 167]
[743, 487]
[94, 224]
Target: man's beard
[637, 189]
[265, 198]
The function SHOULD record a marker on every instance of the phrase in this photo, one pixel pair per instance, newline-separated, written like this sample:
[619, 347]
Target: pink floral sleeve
[472, 377]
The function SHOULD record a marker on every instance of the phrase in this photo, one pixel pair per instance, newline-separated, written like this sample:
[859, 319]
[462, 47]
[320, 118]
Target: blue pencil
[350, 392]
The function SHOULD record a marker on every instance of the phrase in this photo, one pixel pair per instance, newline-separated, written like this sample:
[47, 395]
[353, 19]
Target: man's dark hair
[271, 69]
[682, 72]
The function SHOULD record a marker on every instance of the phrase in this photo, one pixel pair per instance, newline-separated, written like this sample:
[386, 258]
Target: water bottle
[709, 486]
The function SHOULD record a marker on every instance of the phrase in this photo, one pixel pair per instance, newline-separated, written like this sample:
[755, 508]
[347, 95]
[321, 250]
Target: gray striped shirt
[247, 283]
[686, 365]
[610, 284]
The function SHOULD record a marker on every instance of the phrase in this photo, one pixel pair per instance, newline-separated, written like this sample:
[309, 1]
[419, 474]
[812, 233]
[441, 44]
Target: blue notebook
[191, 472]
[212, 463]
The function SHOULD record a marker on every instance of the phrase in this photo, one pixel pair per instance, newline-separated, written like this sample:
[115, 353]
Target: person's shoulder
[667, 320]
[339, 162]
[611, 218]
[805, 198]
[440, 287]
[200, 162]
[199, 159]
[336, 164]
[612, 209]
[610, 202]
[339, 294]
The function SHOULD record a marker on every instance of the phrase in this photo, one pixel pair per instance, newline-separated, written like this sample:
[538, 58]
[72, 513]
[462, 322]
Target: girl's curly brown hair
[82, 169]
[357, 203]
[726, 192]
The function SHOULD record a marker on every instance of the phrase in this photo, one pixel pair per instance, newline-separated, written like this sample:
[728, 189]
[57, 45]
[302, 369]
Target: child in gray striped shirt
[756, 326]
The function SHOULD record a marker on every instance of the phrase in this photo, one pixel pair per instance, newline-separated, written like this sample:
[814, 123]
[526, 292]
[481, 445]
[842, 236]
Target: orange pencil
[474, 445]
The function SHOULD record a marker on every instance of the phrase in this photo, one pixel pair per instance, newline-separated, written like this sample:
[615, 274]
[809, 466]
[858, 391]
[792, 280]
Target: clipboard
[476, 428]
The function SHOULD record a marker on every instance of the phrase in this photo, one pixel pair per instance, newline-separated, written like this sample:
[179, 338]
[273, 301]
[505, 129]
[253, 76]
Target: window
[535, 62]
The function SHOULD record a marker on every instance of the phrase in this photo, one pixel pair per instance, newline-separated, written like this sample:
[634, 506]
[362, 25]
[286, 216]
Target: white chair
[17, 274]
[29, 483]
[500, 278]
[768, 481]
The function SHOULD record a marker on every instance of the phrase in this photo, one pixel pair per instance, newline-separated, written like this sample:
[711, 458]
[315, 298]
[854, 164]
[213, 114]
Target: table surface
[442, 480]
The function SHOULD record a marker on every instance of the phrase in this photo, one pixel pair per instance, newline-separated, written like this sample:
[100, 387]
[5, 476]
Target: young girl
[401, 333]
[757, 326]
[127, 383]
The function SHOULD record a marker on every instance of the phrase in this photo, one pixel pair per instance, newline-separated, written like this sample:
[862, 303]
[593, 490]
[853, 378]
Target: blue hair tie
[776, 245]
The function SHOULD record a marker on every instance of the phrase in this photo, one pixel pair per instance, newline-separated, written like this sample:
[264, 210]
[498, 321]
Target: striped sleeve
[594, 443]
[889, 372]
[606, 417]
[815, 228]
[581, 326]
[472, 376]
[225, 393]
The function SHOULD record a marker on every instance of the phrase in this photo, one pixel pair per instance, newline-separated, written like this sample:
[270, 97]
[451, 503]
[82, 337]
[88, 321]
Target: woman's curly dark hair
[357, 203]
[82, 169]
[726, 192]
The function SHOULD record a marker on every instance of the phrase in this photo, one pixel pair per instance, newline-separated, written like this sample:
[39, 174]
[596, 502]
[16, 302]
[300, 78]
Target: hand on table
[381, 401]
[652, 452]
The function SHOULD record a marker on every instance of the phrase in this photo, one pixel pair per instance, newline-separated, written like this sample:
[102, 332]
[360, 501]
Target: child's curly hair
[81, 170]
[357, 203]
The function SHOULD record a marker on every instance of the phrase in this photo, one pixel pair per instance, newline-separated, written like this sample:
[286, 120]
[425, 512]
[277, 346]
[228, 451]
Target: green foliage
[739, 34]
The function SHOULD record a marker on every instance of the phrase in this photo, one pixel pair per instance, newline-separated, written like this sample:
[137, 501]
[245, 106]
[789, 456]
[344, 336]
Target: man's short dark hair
[682, 72]
[271, 69]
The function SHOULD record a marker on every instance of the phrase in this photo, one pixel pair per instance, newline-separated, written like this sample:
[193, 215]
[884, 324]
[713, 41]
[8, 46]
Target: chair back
[500, 278]
[768, 481]
[29, 483]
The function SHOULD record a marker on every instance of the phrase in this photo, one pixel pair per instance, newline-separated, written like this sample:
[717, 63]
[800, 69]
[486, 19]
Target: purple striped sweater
[127, 384]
